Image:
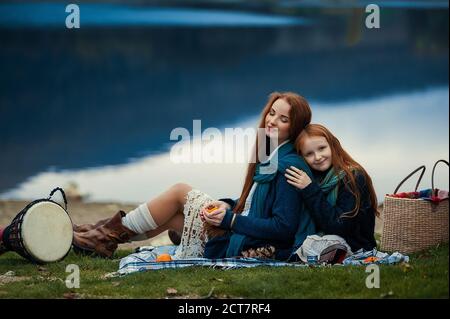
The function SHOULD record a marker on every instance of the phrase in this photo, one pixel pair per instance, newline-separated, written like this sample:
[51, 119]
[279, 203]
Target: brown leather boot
[103, 240]
[87, 227]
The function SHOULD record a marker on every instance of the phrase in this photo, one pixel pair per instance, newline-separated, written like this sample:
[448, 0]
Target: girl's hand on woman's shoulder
[297, 177]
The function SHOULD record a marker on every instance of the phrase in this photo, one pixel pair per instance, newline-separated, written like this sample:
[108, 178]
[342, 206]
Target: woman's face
[277, 120]
[317, 153]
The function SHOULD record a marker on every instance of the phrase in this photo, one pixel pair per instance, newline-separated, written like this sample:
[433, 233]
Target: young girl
[341, 198]
[269, 211]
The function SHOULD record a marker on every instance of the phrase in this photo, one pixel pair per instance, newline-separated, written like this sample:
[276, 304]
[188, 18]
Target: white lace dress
[193, 238]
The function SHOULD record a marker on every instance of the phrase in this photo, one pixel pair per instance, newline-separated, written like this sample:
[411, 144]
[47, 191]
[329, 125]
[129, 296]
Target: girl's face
[317, 153]
[278, 120]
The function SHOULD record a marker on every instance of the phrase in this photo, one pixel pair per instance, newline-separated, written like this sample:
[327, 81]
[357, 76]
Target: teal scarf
[329, 185]
[265, 173]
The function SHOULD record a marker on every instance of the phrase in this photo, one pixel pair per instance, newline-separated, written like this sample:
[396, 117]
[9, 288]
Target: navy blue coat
[284, 223]
[358, 231]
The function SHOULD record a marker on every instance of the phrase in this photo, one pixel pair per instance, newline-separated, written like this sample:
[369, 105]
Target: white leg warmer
[139, 220]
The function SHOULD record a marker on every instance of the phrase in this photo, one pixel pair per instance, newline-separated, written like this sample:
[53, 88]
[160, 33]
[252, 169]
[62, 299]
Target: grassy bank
[426, 276]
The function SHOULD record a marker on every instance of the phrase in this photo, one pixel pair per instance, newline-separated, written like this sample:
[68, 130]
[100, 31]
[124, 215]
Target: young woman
[341, 198]
[268, 211]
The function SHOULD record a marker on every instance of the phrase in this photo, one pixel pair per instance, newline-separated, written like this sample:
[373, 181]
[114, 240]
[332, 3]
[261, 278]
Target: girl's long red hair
[299, 116]
[341, 161]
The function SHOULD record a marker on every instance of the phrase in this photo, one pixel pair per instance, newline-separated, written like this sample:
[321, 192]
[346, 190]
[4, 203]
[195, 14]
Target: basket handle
[432, 173]
[62, 192]
[412, 173]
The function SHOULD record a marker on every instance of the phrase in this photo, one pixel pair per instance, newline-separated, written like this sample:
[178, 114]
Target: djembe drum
[41, 232]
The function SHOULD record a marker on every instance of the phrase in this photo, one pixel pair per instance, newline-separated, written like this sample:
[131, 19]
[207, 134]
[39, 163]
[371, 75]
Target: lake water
[96, 105]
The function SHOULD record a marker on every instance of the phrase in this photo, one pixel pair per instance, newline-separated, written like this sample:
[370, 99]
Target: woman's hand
[297, 178]
[215, 216]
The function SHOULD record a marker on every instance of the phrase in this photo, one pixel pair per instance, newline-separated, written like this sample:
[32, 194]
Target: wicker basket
[411, 225]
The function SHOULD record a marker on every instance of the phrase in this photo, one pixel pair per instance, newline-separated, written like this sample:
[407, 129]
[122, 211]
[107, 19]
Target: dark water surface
[115, 88]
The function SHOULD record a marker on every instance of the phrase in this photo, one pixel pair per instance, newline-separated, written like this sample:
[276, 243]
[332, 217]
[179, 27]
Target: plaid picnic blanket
[145, 259]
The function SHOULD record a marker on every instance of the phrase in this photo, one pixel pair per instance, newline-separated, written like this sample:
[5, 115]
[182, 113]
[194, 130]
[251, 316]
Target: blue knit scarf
[265, 173]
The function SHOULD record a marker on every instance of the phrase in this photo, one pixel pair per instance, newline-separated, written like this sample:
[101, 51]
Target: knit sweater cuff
[311, 190]
[226, 221]
[229, 201]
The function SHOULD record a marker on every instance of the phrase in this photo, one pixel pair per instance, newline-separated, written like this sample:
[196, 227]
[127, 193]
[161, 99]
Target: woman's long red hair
[299, 116]
[341, 161]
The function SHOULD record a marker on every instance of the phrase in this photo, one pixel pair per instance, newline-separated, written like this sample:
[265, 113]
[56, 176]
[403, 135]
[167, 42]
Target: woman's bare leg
[176, 223]
[166, 206]
[166, 212]
[167, 209]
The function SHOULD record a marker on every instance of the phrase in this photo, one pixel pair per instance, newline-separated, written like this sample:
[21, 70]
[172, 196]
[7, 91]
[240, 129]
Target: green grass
[426, 276]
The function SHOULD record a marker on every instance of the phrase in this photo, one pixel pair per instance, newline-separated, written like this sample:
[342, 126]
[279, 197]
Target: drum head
[47, 232]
